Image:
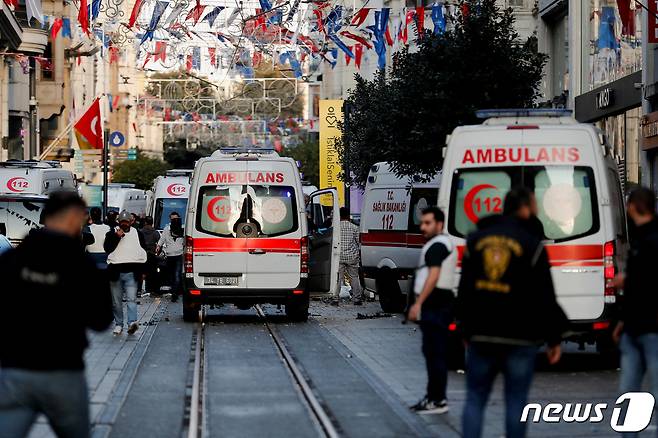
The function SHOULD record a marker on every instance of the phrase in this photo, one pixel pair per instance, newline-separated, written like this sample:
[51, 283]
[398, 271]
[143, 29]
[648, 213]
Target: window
[420, 200]
[18, 217]
[516, 3]
[164, 207]
[566, 198]
[272, 209]
[46, 65]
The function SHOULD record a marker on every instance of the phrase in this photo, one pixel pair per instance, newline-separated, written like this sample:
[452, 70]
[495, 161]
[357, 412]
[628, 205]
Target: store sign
[331, 114]
[605, 98]
[649, 125]
[652, 28]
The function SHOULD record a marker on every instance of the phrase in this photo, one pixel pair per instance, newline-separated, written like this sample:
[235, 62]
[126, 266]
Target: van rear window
[221, 209]
[566, 198]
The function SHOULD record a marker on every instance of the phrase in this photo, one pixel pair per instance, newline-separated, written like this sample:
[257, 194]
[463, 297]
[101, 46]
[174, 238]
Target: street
[363, 372]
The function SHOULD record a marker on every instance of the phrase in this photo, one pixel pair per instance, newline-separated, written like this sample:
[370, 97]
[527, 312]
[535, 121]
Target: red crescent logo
[18, 184]
[211, 209]
[176, 189]
[470, 197]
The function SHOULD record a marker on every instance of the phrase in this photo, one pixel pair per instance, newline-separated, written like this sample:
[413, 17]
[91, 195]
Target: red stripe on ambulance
[245, 244]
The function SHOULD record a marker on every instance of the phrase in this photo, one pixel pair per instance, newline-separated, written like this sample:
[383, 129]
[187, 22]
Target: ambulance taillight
[304, 256]
[609, 272]
[189, 251]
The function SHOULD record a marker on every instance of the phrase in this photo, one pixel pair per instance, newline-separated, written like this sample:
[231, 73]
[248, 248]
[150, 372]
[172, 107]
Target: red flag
[357, 38]
[257, 59]
[360, 17]
[347, 57]
[88, 129]
[135, 13]
[196, 12]
[115, 102]
[420, 20]
[114, 54]
[57, 26]
[318, 14]
[358, 53]
[188, 63]
[83, 16]
[160, 51]
[13, 3]
[212, 54]
[389, 39]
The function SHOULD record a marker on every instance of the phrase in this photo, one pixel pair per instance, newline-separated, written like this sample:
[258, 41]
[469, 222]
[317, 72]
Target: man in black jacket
[50, 278]
[506, 310]
[637, 330]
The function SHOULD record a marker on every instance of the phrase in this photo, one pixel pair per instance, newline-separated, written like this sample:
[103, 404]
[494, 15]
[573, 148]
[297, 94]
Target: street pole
[346, 166]
[33, 122]
[105, 169]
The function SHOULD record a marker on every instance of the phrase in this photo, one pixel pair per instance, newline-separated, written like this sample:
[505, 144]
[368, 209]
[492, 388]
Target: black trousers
[434, 323]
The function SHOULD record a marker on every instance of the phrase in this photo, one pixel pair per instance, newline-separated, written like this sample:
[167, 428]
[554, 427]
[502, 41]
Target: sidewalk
[105, 359]
[393, 352]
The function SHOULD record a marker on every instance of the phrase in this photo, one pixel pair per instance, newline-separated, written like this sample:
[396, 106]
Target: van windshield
[223, 210]
[164, 207]
[566, 198]
[19, 216]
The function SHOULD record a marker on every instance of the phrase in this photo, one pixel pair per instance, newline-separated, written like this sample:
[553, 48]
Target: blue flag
[291, 58]
[438, 19]
[265, 5]
[159, 9]
[95, 8]
[212, 15]
[196, 58]
[66, 28]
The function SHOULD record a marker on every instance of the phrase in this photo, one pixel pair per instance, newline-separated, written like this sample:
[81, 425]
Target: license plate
[220, 281]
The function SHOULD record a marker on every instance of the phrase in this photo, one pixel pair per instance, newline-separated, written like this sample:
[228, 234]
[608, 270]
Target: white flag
[33, 9]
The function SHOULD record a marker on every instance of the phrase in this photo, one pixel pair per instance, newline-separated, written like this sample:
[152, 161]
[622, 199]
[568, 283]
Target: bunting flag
[231, 18]
[212, 54]
[175, 13]
[409, 18]
[347, 57]
[33, 10]
[160, 51]
[381, 24]
[341, 45]
[115, 102]
[188, 63]
[57, 26]
[159, 9]
[88, 129]
[212, 15]
[83, 16]
[196, 58]
[358, 54]
[114, 54]
[356, 38]
[135, 13]
[360, 17]
[196, 12]
[12, 3]
[265, 5]
[109, 101]
[256, 59]
[66, 28]
[438, 19]
[95, 9]
[291, 58]
[420, 21]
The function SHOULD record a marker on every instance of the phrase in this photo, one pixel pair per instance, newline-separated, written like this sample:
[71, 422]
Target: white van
[124, 196]
[390, 232]
[24, 188]
[576, 182]
[170, 193]
[247, 238]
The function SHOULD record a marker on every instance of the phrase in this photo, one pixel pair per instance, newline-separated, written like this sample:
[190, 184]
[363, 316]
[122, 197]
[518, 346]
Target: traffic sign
[132, 153]
[117, 139]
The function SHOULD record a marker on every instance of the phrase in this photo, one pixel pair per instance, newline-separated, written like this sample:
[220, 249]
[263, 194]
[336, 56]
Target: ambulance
[575, 178]
[124, 196]
[170, 193]
[247, 236]
[24, 188]
[390, 232]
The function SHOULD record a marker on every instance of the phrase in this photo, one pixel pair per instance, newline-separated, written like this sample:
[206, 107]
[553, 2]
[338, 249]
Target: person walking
[350, 256]
[98, 229]
[506, 309]
[125, 264]
[637, 329]
[42, 359]
[172, 243]
[151, 238]
[433, 307]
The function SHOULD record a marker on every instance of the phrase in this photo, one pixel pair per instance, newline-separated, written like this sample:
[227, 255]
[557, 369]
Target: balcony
[35, 39]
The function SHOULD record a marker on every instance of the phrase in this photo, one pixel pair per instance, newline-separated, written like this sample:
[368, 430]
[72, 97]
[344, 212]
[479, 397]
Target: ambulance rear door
[324, 246]
[271, 206]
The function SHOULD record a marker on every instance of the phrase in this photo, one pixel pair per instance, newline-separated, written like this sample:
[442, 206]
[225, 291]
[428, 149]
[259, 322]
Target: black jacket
[639, 305]
[51, 293]
[506, 292]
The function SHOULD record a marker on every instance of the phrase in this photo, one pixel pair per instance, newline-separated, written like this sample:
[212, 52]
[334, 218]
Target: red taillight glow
[609, 272]
[452, 327]
[189, 255]
[303, 251]
[603, 325]
[298, 292]
[523, 127]
[195, 292]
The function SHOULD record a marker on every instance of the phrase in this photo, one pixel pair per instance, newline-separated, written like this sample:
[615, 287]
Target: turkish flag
[83, 16]
[88, 129]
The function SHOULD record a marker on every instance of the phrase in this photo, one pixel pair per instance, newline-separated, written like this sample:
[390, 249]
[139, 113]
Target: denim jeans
[639, 356]
[175, 268]
[60, 395]
[434, 324]
[483, 363]
[100, 258]
[127, 284]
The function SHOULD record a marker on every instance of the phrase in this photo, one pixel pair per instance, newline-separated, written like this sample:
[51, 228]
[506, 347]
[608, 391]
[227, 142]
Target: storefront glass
[623, 132]
[615, 49]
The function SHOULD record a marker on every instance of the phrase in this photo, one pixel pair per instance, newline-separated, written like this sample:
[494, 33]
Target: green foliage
[140, 172]
[308, 153]
[404, 118]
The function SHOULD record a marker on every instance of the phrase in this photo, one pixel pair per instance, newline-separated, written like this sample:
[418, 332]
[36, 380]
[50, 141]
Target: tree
[141, 171]
[308, 154]
[478, 63]
[178, 156]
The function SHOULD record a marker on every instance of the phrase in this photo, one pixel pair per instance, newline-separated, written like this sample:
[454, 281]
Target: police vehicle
[575, 178]
[24, 188]
[247, 236]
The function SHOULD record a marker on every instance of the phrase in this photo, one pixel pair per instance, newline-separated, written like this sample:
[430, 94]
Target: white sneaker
[117, 330]
[132, 328]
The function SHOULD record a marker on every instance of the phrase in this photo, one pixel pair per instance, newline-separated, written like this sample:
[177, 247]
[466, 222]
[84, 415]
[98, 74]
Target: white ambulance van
[124, 196]
[247, 238]
[581, 206]
[390, 232]
[24, 188]
[170, 193]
